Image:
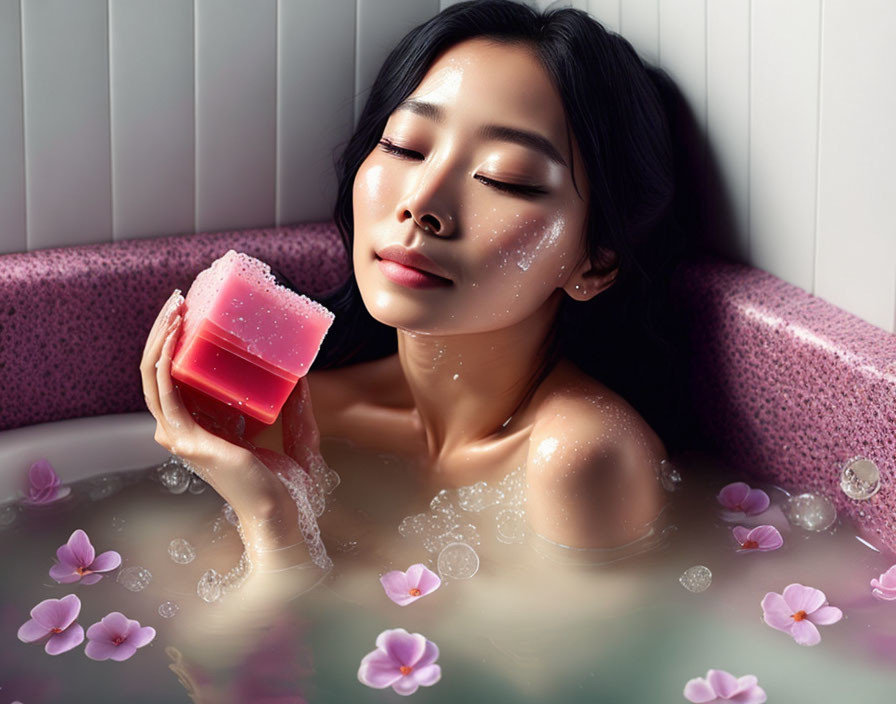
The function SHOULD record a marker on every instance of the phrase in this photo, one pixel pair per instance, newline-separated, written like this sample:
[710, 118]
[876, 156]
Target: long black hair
[615, 106]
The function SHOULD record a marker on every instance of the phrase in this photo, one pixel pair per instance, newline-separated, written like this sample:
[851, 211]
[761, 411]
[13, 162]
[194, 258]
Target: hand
[267, 512]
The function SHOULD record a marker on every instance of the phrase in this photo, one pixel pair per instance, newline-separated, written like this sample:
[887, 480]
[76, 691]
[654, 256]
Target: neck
[466, 388]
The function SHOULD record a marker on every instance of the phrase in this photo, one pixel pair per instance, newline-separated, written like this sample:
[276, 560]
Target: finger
[171, 404]
[174, 302]
[149, 371]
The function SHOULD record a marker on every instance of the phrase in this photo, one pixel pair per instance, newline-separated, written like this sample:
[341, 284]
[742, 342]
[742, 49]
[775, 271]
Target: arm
[591, 482]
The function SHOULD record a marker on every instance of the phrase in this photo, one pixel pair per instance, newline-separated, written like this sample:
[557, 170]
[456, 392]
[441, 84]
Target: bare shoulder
[591, 468]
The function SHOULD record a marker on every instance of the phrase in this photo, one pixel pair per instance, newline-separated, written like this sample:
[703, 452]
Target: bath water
[535, 622]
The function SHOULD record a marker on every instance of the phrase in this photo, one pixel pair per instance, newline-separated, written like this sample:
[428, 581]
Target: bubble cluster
[174, 476]
[197, 485]
[168, 609]
[457, 561]
[448, 520]
[181, 551]
[860, 479]
[696, 579]
[213, 585]
[135, 579]
[810, 511]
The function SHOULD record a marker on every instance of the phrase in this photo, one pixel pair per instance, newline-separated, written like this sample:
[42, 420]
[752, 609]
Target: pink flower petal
[755, 503]
[776, 612]
[805, 633]
[115, 623]
[397, 589]
[89, 579]
[64, 574]
[698, 691]
[67, 557]
[802, 598]
[403, 647]
[141, 636]
[733, 495]
[31, 631]
[405, 685]
[57, 613]
[106, 561]
[888, 578]
[826, 615]
[99, 650]
[427, 675]
[767, 536]
[82, 550]
[752, 695]
[70, 638]
[740, 534]
[123, 652]
[724, 683]
[378, 670]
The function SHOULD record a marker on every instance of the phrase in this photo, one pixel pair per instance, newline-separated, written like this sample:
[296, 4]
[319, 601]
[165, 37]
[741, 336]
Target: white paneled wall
[140, 118]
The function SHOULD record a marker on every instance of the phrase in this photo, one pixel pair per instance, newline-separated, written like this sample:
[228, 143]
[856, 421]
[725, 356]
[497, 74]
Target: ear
[588, 280]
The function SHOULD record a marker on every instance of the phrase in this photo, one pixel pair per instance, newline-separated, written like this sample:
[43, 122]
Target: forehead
[481, 81]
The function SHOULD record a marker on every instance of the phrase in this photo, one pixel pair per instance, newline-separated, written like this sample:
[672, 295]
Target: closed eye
[515, 189]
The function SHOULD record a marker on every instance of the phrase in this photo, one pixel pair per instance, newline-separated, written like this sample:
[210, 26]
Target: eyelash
[390, 148]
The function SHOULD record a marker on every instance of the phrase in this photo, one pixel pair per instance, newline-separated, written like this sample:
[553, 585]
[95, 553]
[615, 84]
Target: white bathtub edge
[78, 448]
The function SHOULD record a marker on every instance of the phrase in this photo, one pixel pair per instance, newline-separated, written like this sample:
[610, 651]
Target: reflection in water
[531, 619]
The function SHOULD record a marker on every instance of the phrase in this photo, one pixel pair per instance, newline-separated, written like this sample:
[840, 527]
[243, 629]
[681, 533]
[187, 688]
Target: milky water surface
[535, 623]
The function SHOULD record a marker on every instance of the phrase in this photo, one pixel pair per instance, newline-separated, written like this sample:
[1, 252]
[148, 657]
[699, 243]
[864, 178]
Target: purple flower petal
[106, 561]
[115, 624]
[430, 655]
[802, 598]
[427, 675]
[396, 585]
[32, 631]
[43, 482]
[698, 691]
[732, 495]
[57, 613]
[406, 587]
[123, 652]
[825, 616]
[82, 551]
[805, 633]
[139, 637]
[406, 686]
[99, 650]
[66, 557]
[64, 574]
[427, 581]
[89, 579]
[767, 536]
[70, 638]
[378, 670]
[724, 683]
[756, 502]
[776, 612]
[740, 534]
[404, 648]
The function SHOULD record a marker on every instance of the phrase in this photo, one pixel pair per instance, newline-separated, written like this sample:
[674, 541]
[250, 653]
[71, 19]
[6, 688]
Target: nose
[427, 201]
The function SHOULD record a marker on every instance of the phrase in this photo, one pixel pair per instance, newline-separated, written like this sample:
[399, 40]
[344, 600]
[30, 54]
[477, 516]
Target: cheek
[525, 247]
[369, 195]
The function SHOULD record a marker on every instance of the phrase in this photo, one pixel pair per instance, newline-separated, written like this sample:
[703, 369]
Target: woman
[508, 168]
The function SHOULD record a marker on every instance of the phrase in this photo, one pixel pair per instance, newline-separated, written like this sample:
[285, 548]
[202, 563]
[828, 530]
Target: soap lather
[246, 342]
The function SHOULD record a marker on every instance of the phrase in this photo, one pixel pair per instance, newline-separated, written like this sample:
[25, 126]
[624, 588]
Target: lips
[413, 260]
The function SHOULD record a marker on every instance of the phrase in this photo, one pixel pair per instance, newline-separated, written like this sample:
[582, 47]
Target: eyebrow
[501, 133]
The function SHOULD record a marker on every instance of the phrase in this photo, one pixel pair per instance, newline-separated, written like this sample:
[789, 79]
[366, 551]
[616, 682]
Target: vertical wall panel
[682, 52]
[236, 113]
[728, 117]
[151, 91]
[639, 23]
[856, 236]
[316, 106]
[784, 138]
[607, 12]
[12, 137]
[66, 90]
[381, 23]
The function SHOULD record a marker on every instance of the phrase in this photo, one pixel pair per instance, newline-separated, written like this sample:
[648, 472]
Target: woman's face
[472, 176]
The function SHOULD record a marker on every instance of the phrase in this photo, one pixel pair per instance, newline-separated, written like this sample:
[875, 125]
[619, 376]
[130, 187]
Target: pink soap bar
[246, 340]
